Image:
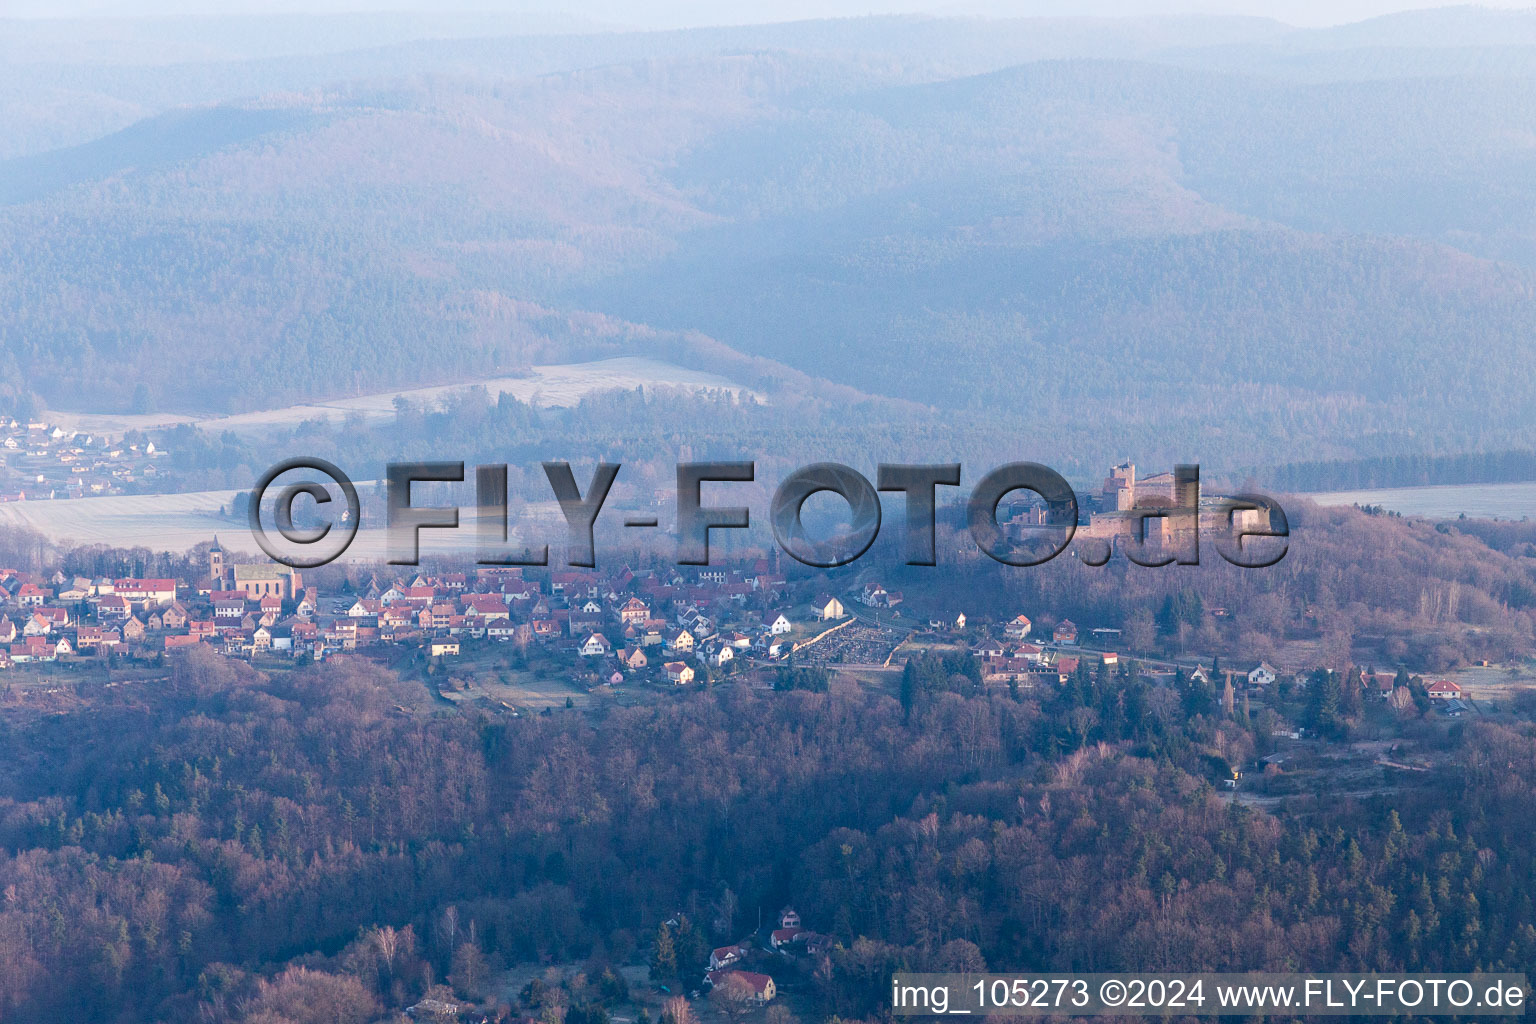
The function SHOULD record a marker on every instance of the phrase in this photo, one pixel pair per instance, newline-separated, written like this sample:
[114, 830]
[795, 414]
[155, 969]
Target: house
[680, 642]
[827, 607]
[75, 593]
[174, 617]
[56, 617]
[634, 612]
[1453, 708]
[780, 625]
[789, 918]
[679, 673]
[633, 658]
[1200, 675]
[1263, 675]
[725, 956]
[762, 989]
[716, 655]
[816, 944]
[1065, 633]
[112, 608]
[228, 604]
[960, 621]
[1111, 658]
[1007, 670]
[1381, 683]
[782, 937]
[1017, 627]
[486, 606]
[1029, 652]
[444, 649]
[147, 592]
[872, 596]
[1444, 689]
[595, 645]
[436, 616]
[95, 637]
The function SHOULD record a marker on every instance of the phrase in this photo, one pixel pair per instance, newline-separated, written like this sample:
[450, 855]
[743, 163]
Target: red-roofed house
[784, 936]
[725, 956]
[155, 592]
[1443, 689]
[1017, 627]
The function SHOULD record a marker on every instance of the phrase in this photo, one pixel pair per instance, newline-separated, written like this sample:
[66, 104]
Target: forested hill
[1027, 224]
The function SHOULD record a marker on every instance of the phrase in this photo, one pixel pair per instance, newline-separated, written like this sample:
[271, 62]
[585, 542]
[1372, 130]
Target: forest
[1081, 233]
[1404, 471]
[234, 846]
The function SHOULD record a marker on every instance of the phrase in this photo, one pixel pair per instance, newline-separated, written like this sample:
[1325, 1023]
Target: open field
[163, 522]
[484, 673]
[546, 386]
[1480, 501]
[176, 522]
[1491, 686]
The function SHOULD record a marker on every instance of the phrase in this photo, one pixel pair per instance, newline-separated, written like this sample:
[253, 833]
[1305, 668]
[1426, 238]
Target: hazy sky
[675, 13]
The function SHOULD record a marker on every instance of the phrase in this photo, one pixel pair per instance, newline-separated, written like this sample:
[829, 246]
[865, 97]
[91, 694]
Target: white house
[1017, 627]
[595, 645]
[1264, 675]
[780, 625]
[1444, 689]
[827, 607]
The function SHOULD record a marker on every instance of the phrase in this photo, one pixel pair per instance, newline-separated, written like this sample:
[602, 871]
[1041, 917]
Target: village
[41, 461]
[671, 627]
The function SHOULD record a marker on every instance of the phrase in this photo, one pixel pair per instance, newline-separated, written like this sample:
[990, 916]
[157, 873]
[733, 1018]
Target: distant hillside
[1186, 261]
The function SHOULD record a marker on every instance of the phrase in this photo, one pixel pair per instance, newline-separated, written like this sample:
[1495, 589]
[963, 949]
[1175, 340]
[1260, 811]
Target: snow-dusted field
[548, 386]
[163, 522]
[177, 522]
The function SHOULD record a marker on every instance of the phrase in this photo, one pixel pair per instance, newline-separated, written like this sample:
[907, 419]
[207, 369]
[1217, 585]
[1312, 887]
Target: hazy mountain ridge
[1317, 257]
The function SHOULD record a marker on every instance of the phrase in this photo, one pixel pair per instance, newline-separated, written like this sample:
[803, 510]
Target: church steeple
[216, 561]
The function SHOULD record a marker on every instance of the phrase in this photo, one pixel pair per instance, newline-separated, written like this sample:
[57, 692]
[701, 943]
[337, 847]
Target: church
[255, 581]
